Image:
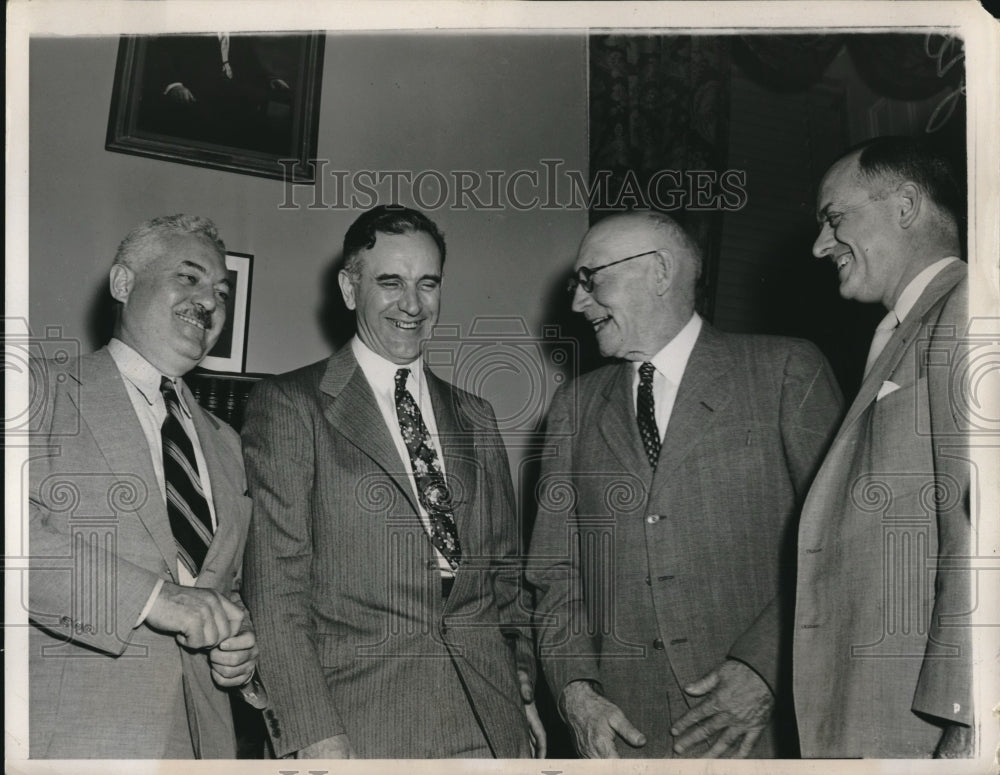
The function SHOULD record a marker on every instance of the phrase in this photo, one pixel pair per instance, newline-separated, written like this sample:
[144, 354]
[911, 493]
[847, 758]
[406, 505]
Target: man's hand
[234, 659]
[539, 741]
[181, 93]
[197, 617]
[596, 722]
[955, 743]
[336, 747]
[737, 702]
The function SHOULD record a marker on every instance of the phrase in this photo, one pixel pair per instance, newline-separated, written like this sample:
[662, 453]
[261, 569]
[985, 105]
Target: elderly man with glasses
[667, 508]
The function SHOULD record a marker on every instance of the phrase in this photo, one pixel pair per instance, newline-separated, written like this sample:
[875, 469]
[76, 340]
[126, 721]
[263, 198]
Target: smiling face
[856, 234]
[174, 303]
[396, 294]
[624, 308]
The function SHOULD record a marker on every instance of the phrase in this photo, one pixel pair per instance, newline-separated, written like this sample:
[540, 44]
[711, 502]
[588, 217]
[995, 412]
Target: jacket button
[658, 644]
[652, 519]
[649, 582]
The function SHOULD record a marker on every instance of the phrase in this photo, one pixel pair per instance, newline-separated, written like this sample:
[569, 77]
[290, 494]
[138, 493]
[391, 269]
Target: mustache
[202, 315]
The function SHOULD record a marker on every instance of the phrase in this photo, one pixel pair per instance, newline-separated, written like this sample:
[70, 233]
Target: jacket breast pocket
[900, 453]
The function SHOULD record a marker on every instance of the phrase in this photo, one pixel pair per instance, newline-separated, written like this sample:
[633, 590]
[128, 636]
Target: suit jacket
[342, 580]
[649, 581]
[881, 633]
[99, 541]
[226, 111]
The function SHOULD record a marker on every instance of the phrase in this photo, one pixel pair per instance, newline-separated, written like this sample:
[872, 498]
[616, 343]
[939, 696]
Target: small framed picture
[236, 102]
[230, 352]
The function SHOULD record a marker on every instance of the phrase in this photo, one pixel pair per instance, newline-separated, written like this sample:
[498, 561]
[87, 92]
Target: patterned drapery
[658, 113]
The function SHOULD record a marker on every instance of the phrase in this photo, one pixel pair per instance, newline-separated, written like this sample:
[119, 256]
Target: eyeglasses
[584, 276]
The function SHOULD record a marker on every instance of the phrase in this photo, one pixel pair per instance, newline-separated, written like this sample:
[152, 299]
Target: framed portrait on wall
[230, 352]
[238, 102]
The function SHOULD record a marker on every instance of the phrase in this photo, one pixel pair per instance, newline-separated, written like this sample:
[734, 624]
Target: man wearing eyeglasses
[665, 509]
[882, 653]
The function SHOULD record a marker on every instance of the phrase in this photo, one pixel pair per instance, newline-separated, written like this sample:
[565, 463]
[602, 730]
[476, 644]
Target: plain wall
[404, 102]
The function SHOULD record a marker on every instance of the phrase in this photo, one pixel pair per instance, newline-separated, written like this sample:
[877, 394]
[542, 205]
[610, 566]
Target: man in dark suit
[882, 648]
[674, 482]
[138, 518]
[213, 87]
[382, 563]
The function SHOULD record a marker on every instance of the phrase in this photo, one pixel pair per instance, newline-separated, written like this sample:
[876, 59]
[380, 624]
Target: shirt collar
[381, 372]
[142, 374]
[917, 286]
[672, 359]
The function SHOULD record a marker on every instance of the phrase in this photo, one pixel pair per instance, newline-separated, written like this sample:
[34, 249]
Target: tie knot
[168, 390]
[401, 376]
[889, 322]
[646, 372]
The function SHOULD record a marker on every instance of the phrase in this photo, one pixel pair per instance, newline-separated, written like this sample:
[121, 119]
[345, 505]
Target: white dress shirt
[381, 376]
[915, 288]
[670, 363]
[142, 383]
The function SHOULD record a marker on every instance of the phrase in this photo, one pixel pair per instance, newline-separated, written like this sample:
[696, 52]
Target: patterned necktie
[645, 414]
[883, 333]
[187, 508]
[432, 489]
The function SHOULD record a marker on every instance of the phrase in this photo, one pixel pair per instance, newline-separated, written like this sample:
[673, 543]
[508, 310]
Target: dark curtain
[660, 103]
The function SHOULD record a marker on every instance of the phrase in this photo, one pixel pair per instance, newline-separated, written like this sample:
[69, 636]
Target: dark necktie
[187, 508]
[645, 414]
[432, 489]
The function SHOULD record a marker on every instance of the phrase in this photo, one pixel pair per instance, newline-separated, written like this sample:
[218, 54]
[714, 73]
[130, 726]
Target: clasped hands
[735, 705]
[203, 619]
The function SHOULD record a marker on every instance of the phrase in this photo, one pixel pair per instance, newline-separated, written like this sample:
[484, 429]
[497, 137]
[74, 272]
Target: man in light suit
[674, 482]
[882, 663]
[136, 632]
[382, 564]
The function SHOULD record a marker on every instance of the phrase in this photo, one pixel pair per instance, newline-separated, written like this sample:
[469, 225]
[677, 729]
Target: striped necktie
[187, 507]
[432, 489]
[645, 414]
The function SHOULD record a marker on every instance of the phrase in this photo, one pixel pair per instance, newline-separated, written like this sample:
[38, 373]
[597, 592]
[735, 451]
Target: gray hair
[140, 245]
[677, 236]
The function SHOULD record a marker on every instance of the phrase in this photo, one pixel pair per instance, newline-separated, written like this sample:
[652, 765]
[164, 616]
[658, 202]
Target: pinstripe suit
[647, 581]
[354, 634]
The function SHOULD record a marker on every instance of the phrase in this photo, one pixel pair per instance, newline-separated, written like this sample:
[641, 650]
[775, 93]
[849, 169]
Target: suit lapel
[458, 452]
[618, 425]
[899, 345]
[355, 414]
[225, 483]
[705, 391]
[108, 412]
